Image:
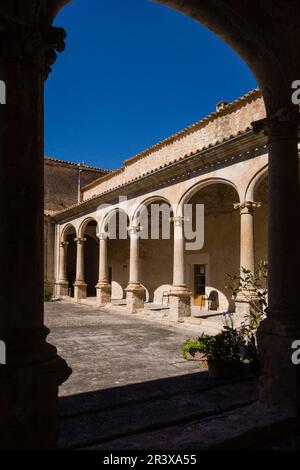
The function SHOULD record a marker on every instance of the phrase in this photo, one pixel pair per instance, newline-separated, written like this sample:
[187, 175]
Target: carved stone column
[80, 285]
[33, 372]
[247, 255]
[63, 285]
[280, 381]
[180, 296]
[103, 287]
[135, 293]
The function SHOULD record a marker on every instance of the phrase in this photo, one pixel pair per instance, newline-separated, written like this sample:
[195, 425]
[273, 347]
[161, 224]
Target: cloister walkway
[129, 380]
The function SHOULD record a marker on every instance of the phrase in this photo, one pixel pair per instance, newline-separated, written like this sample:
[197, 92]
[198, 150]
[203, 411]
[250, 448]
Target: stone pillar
[180, 296]
[135, 293]
[49, 249]
[63, 285]
[80, 285]
[33, 370]
[103, 287]
[247, 256]
[280, 380]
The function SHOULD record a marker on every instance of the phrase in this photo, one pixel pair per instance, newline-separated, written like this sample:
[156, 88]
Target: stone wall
[60, 192]
[61, 183]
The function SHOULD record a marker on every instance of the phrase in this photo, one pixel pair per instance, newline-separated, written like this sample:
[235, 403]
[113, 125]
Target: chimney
[221, 105]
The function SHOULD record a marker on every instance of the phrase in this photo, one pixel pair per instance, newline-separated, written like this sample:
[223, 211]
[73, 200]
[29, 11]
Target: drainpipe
[80, 169]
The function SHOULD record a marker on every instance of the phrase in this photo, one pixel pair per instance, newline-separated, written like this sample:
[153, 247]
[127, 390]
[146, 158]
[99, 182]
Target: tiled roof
[192, 155]
[253, 94]
[256, 93]
[82, 165]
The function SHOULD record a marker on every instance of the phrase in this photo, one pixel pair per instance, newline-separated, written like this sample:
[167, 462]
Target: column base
[180, 303]
[280, 377]
[79, 290]
[62, 289]
[135, 296]
[29, 392]
[243, 303]
[103, 294]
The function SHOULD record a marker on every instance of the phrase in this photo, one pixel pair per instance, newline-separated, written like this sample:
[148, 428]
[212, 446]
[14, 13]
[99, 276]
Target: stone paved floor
[129, 379]
[110, 349]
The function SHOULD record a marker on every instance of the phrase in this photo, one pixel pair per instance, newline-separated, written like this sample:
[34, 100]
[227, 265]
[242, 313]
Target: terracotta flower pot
[199, 357]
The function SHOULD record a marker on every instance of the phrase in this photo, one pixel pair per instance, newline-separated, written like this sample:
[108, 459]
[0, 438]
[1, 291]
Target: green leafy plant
[253, 287]
[234, 345]
[226, 346]
[192, 346]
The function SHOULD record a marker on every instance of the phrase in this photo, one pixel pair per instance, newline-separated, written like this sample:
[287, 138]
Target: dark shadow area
[91, 269]
[102, 416]
[71, 263]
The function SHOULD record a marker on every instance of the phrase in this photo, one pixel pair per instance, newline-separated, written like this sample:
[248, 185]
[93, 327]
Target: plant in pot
[194, 349]
[224, 353]
[254, 289]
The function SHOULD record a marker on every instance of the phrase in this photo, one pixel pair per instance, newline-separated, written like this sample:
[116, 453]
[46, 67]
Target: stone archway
[69, 237]
[27, 54]
[154, 217]
[261, 194]
[91, 258]
[273, 59]
[115, 225]
[220, 254]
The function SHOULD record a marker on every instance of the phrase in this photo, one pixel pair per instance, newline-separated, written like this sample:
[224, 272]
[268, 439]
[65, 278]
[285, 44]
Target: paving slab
[129, 377]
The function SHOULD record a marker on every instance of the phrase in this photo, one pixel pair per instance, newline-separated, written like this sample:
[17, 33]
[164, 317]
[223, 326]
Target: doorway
[199, 284]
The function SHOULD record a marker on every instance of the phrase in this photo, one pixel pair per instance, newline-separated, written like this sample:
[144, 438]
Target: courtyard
[130, 387]
[106, 348]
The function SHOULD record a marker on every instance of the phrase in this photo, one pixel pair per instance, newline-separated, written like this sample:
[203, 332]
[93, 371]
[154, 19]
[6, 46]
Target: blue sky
[133, 73]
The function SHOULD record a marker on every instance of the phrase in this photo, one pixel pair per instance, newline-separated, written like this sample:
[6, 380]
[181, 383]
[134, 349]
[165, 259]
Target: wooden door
[199, 285]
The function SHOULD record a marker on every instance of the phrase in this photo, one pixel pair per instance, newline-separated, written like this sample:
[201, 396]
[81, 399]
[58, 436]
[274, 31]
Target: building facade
[62, 188]
[218, 163]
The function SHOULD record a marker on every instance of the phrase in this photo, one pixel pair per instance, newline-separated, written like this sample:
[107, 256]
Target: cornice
[240, 148]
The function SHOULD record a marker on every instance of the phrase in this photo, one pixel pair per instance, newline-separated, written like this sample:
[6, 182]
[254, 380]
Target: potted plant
[223, 353]
[194, 349]
[227, 352]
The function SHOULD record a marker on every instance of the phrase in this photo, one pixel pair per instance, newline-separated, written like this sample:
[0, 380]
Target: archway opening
[207, 268]
[156, 249]
[118, 255]
[261, 195]
[69, 237]
[91, 258]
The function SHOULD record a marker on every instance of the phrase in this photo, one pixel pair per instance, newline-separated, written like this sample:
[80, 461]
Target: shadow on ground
[134, 416]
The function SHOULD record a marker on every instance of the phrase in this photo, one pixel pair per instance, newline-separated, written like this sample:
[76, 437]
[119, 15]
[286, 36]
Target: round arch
[109, 216]
[145, 203]
[84, 224]
[198, 187]
[66, 230]
[254, 183]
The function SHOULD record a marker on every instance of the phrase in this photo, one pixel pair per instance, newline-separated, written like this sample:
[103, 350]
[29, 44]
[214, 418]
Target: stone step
[253, 426]
[111, 420]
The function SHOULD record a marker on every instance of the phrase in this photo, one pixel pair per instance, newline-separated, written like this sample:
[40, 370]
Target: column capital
[80, 241]
[30, 42]
[64, 244]
[134, 230]
[282, 125]
[247, 207]
[103, 236]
